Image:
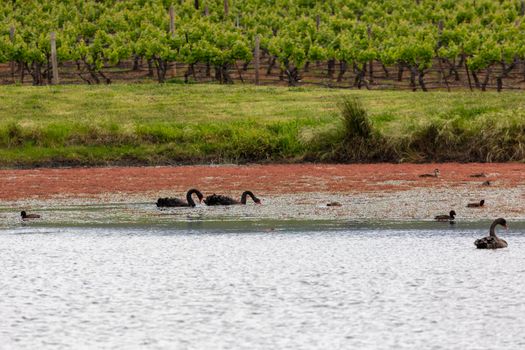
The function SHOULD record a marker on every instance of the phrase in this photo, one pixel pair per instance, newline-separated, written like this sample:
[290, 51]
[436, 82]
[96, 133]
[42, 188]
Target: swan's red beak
[506, 227]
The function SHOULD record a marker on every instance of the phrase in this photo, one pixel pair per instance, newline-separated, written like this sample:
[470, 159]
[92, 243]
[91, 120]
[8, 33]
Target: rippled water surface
[269, 286]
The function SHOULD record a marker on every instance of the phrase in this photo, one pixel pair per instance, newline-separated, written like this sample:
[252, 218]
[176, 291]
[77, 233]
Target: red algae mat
[267, 179]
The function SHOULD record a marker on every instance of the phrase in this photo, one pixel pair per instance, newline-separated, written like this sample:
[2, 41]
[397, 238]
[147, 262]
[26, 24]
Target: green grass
[175, 123]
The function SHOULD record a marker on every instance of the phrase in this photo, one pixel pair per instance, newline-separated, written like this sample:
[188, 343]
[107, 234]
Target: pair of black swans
[214, 199]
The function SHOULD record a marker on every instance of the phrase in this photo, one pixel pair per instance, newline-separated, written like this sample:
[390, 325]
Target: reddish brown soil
[277, 179]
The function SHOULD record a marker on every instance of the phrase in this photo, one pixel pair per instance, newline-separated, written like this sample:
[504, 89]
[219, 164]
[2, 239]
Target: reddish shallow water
[269, 179]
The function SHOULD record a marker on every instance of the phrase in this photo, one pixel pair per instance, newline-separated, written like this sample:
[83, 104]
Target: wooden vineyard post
[257, 59]
[12, 38]
[442, 75]
[172, 21]
[172, 34]
[54, 62]
[468, 73]
[371, 62]
[226, 8]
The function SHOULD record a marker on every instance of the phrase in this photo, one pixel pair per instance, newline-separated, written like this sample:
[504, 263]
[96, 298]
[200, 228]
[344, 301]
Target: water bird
[492, 241]
[476, 205]
[334, 204]
[218, 199]
[26, 216]
[176, 202]
[435, 174]
[486, 183]
[451, 216]
[479, 175]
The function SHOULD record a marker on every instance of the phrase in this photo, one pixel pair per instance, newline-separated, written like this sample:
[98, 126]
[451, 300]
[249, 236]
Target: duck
[450, 216]
[435, 174]
[492, 241]
[476, 205]
[176, 202]
[486, 183]
[218, 199]
[479, 175]
[26, 216]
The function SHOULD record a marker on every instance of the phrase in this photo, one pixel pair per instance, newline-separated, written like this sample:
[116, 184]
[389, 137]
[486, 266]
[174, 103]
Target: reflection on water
[275, 285]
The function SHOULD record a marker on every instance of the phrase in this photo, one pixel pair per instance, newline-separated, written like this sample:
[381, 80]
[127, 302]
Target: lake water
[261, 285]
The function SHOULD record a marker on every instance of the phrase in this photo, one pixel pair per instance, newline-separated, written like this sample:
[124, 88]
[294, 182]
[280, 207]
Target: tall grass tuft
[14, 135]
[353, 140]
[356, 123]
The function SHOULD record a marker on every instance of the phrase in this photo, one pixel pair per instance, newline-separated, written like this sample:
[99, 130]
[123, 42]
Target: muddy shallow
[365, 192]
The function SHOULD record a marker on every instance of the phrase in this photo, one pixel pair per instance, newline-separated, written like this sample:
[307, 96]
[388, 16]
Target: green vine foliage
[100, 33]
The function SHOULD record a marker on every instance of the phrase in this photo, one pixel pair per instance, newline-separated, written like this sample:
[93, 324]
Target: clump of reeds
[353, 140]
[356, 123]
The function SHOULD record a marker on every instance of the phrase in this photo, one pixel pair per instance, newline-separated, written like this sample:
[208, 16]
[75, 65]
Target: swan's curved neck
[189, 198]
[245, 194]
[493, 229]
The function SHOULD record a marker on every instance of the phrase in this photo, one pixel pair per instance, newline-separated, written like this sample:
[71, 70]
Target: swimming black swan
[176, 202]
[26, 216]
[451, 216]
[217, 199]
[436, 174]
[492, 241]
[476, 205]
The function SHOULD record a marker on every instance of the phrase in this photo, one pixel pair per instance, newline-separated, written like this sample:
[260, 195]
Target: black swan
[492, 241]
[217, 199]
[26, 216]
[476, 205]
[436, 174]
[176, 202]
[451, 216]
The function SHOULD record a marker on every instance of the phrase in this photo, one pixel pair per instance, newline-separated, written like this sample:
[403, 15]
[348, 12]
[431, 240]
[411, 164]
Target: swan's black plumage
[176, 202]
[492, 241]
[219, 199]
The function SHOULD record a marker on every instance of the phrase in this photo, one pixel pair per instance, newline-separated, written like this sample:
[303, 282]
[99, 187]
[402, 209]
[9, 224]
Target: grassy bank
[171, 124]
